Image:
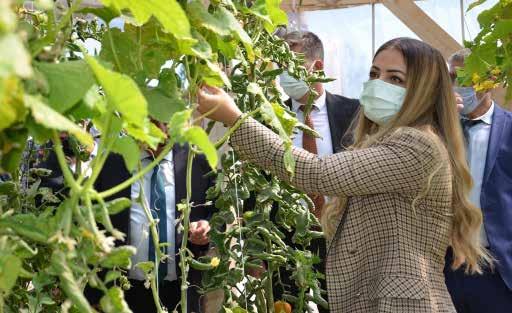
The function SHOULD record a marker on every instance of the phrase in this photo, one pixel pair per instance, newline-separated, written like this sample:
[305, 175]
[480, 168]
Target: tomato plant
[149, 67]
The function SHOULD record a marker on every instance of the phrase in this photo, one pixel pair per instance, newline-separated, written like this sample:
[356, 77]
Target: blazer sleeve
[400, 163]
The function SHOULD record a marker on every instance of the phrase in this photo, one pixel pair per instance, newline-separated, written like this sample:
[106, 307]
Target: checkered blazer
[387, 254]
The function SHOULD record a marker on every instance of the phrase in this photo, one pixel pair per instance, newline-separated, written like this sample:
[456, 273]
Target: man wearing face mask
[330, 116]
[488, 133]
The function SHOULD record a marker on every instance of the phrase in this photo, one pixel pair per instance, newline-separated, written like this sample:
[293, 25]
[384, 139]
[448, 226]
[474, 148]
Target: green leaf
[201, 18]
[150, 134]
[168, 12]
[14, 58]
[49, 118]
[118, 205]
[230, 22]
[211, 74]
[68, 82]
[161, 106]
[119, 257]
[106, 14]
[287, 121]
[122, 92]
[28, 226]
[197, 136]
[111, 276]
[113, 301]
[178, 123]
[12, 109]
[474, 4]
[145, 267]
[128, 148]
[10, 266]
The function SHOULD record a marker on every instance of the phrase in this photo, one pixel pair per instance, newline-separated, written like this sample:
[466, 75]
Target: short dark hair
[459, 56]
[307, 43]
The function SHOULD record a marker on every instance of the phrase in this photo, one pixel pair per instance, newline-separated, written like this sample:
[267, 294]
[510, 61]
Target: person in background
[163, 188]
[487, 130]
[402, 187]
[330, 116]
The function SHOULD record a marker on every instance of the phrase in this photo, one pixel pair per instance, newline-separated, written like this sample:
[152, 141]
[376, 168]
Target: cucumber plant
[154, 56]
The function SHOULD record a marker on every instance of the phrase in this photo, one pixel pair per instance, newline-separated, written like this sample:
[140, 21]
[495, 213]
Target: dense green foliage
[50, 87]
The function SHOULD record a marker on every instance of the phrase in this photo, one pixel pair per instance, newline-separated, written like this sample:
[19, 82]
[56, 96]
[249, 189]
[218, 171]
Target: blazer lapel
[333, 124]
[179, 158]
[498, 124]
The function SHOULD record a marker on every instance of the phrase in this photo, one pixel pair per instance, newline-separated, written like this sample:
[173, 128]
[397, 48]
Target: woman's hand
[217, 105]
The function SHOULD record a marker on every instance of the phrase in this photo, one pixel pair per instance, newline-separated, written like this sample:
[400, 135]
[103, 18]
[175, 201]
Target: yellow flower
[215, 261]
[496, 71]
[475, 78]
[486, 85]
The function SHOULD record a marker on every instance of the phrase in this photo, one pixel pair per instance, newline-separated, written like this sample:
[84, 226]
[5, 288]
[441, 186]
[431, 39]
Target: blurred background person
[487, 131]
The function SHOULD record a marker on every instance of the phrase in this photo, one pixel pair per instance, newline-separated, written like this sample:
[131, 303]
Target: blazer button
[352, 251]
[358, 294]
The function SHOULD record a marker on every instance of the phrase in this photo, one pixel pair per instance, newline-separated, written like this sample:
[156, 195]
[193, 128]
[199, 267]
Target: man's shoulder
[339, 99]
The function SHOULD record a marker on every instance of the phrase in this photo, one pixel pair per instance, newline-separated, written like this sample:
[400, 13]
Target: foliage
[490, 62]
[52, 88]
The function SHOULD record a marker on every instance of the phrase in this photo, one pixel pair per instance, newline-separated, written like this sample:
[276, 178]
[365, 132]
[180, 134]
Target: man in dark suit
[133, 222]
[488, 133]
[330, 116]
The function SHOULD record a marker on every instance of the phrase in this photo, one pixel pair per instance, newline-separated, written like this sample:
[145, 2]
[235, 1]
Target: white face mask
[294, 88]
[469, 99]
[381, 100]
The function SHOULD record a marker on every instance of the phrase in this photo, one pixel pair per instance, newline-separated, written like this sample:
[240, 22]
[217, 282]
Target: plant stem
[184, 241]
[61, 158]
[156, 243]
[233, 128]
[269, 286]
[113, 48]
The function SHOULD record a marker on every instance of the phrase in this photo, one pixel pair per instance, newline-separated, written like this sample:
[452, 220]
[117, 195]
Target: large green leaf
[113, 301]
[11, 98]
[201, 18]
[168, 12]
[68, 82]
[229, 20]
[128, 148]
[14, 58]
[165, 99]
[270, 12]
[136, 49]
[10, 266]
[49, 118]
[119, 257]
[197, 136]
[122, 92]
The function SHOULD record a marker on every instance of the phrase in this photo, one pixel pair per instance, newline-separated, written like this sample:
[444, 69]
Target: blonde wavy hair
[429, 105]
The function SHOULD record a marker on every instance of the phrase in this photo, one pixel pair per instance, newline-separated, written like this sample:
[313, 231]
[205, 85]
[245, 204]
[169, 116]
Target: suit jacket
[114, 172]
[496, 196]
[340, 112]
[387, 254]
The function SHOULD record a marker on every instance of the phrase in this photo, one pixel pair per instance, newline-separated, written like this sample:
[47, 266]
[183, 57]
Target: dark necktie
[467, 125]
[157, 206]
[309, 144]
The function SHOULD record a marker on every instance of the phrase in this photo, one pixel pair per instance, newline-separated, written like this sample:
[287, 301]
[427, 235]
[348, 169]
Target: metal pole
[373, 28]
[462, 21]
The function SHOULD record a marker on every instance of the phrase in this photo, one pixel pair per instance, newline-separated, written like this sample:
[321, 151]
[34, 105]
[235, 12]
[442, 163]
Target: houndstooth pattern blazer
[387, 254]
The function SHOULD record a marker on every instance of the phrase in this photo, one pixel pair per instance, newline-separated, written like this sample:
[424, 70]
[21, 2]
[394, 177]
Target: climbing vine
[153, 56]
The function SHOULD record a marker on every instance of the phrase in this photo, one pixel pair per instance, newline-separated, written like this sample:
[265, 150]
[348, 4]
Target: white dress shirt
[478, 141]
[139, 224]
[320, 121]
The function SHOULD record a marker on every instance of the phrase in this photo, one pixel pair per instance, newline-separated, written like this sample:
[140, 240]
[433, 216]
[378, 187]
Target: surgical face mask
[294, 88]
[469, 99]
[381, 100]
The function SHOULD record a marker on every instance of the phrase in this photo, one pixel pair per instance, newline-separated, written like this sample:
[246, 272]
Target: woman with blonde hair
[402, 189]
